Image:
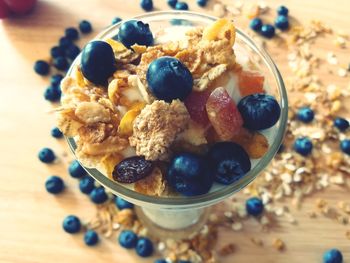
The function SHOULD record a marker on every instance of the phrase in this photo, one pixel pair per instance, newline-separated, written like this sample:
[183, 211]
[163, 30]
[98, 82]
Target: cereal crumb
[278, 244]
[227, 250]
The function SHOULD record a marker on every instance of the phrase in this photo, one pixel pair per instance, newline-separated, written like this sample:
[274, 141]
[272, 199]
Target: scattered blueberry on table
[305, 114]
[41, 67]
[345, 146]
[146, 5]
[76, 170]
[341, 123]
[144, 247]
[268, 31]
[116, 20]
[91, 238]
[332, 256]
[181, 6]
[282, 22]
[52, 93]
[98, 195]
[61, 63]
[202, 3]
[127, 239]
[72, 51]
[54, 184]
[56, 133]
[46, 155]
[72, 33]
[135, 32]
[256, 24]
[303, 146]
[57, 51]
[254, 206]
[160, 260]
[172, 3]
[85, 27]
[55, 80]
[71, 224]
[282, 10]
[65, 42]
[122, 203]
[86, 184]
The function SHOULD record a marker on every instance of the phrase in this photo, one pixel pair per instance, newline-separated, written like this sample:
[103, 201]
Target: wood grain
[31, 219]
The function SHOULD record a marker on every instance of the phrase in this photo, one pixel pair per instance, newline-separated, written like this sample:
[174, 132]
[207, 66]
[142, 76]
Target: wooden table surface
[30, 219]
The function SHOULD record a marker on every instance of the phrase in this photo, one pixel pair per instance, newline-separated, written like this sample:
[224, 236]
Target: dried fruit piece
[222, 29]
[250, 82]
[132, 169]
[223, 114]
[153, 184]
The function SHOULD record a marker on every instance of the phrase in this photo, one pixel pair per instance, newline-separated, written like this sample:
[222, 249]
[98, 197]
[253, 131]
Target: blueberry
[135, 32]
[56, 133]
[341, 123]
[65, 42]
[282, 22]
[181, 6]
[71, 33]
[55, 80]
[202, 3]
[144, 247]
[61, 63]
[116, 20]
[98, 195]
[230, 162]
[72, 52]
[345, 146]
[57, 51]
[169, 79]
[123, 204]
[127, 239]
[146, 5]
[303, 146]
[282, 10]
[332, 256]
[98, 62]
[268, 31]
[41, 67]
[259, 111]
[46, 155]
[85, 27]
[86, 184]
[76, 170]
[256, 24]
[160, 260]
[190, 174]
[54, 184]
[305, 114]
[91, 238]
[172, 3]
[254, 206]
[281, 148]
[71, 224]
[52, 93]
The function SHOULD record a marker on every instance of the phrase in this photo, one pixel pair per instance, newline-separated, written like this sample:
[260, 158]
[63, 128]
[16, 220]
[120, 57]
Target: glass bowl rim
[218, 195]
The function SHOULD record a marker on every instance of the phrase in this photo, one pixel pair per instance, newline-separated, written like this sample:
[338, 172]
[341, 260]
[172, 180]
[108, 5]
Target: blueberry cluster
[268, 30]
[143, 246]
[178, 5]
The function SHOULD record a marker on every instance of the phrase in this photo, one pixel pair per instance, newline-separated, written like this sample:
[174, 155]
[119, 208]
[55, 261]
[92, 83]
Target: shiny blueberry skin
[127, 239]
[116, 20]
[91, 238]
[72, 33]
[61, 63]
[46, 155]
[57, 51]
[86, 184]
[72, 52]
[135, 32]
[41, 67]
[71, 224]
[76, 170]
[85, 27]
[146, 5]
[341, 123]
[56, 133]
[256, 24]
[65, 42]
[230, 162]
[305, 114]
[259, 111]
[169, 79]
[172, 3]
[282, 22]
[333, 256]
[181, 6]
[202, 3]
[52, 93]
[303, 146]
[98, 62]
[254, 206]
[282, 10]
[55, 80]
[144, 247]
[122, 203]
[268, 31]
[54, 184]
[345, 146]
[190, 174]
[98, 195]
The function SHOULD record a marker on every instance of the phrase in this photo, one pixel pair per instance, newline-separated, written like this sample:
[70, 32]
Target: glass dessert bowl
[174, 212]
